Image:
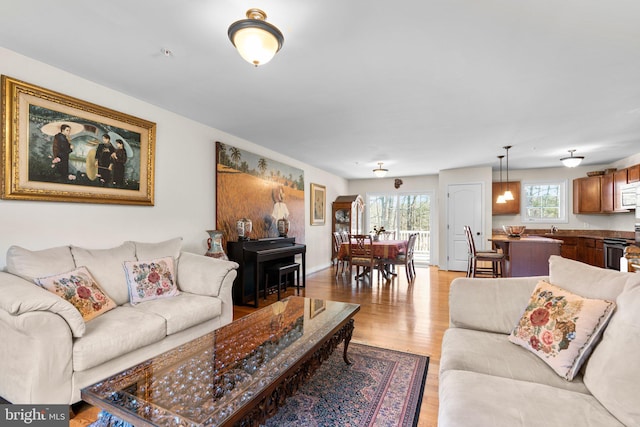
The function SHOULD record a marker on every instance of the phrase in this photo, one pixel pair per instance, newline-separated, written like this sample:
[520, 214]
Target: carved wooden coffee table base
[276, 395]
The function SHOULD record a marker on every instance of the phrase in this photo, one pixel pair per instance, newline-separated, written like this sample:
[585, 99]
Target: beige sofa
[486, 380]
[48, 352]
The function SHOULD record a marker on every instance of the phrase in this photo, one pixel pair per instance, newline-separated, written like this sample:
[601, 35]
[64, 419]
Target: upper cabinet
[633, 174]
[587, 196]
[511, 207]
[603, 193]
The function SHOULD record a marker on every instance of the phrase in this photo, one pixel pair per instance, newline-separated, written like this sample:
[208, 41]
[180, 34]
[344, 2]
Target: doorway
[404, 213]
[464, 207]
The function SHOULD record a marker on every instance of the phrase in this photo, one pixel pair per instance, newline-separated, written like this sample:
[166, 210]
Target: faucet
[554, 229]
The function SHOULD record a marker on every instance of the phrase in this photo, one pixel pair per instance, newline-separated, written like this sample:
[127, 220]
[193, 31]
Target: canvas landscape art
[263, 190]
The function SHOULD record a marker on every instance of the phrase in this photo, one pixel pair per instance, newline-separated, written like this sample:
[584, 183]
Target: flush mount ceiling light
[508, 195]
[380, 172]
[257, 41]
[572, 161]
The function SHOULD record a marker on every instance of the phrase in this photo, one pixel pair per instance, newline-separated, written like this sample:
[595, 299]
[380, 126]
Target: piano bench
[282, 270]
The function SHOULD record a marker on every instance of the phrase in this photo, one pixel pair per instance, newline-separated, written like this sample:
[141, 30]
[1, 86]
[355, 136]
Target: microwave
[629, 195]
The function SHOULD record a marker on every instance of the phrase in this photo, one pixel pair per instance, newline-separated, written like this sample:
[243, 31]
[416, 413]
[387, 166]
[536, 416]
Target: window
[403, 214]
[544, 201]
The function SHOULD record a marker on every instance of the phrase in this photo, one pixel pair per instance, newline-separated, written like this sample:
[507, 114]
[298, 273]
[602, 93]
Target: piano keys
[253, 257]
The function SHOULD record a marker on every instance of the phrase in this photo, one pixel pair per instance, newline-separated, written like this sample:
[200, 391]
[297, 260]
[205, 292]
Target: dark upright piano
[254, 256]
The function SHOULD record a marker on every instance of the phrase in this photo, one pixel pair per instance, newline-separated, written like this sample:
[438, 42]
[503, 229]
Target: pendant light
[257, 40]
[572, 161]
[380, 172]
[500, 198]
[507, 194]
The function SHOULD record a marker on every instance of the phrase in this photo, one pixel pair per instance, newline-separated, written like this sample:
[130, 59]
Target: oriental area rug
[380, 388]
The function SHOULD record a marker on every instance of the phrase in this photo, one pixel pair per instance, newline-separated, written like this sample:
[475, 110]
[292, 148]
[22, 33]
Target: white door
[464, 207]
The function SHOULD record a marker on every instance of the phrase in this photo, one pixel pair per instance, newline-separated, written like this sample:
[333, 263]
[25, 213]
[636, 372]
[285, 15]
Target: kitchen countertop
[592, 234]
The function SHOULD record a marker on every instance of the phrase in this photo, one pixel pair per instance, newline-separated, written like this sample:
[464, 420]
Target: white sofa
[486, 380]
[48, 353]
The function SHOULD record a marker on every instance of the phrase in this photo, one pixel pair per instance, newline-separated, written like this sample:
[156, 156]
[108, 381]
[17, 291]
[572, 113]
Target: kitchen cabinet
[619, 181]
[511, 207]
[591, 251]
[633, 173]
[607, 193]
[569, 247]
[587, 195]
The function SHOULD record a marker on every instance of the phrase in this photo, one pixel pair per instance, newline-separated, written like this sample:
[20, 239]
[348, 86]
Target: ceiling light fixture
[257, 41]
[508, 195]
[500, 198]
[380, 172]
[572, 161]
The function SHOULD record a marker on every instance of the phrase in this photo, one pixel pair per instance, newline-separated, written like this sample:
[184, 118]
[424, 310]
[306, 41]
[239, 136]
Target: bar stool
[282, 270]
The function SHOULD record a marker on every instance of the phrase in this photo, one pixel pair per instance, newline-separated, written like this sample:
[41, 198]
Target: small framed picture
[318, 204]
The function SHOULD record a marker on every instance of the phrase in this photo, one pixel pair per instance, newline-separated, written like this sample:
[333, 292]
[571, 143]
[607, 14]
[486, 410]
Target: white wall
[184, 182]
[617, 221]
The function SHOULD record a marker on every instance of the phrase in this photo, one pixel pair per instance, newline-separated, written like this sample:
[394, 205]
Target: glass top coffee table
[236, 375]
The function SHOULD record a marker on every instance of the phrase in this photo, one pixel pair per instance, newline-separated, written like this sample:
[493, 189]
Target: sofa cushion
[561, 327]
[163, 249]
[184, 310]
[480, 400]
[106, 266]
[493, 354]
[31, 264]
[81, 290]
[612, 372]
[149, 280]
[115, 333]
[586, 280]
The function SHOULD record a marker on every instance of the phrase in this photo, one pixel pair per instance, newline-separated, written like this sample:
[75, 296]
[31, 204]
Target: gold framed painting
[59, 148]
[318, 204]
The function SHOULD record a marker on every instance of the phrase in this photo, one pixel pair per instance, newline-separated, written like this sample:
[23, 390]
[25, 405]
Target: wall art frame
[318, 212]
[252, 186]
[111, 158]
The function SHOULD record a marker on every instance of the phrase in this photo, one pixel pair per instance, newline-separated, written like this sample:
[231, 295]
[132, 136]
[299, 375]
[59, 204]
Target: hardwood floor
[394, 314]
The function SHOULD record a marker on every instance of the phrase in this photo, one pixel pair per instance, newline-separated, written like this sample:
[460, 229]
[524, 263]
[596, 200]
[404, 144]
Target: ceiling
[421, 85]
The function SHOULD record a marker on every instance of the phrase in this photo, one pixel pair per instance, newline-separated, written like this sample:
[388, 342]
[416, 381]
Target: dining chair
[405, 259]
[497, 259]
[340, 260]
[387, 235]
[361, 255]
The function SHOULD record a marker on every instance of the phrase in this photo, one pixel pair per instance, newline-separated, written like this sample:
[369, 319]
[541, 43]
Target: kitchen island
[526, 255]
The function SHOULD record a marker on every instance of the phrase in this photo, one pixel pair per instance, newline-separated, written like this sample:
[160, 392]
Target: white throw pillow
[149, 280]
[561, 327]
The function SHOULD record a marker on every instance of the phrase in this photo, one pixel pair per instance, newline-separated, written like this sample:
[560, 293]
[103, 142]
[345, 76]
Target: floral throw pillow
[80, 289]
[561, 327]
[149, 280]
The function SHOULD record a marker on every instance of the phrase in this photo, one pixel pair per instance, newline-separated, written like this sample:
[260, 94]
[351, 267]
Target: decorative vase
[214, 245]
[376, 237]
[283, 227]
[244, 227]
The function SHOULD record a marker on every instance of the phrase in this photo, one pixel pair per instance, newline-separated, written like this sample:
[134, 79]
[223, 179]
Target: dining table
[382, 249]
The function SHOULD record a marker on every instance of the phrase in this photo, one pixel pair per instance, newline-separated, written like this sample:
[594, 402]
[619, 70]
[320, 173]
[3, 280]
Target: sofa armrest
[36, 352]
[19, 296]
[204, 275]
[493, 305]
